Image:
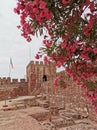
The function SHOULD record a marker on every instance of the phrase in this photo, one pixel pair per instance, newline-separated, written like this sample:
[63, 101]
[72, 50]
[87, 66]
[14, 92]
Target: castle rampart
[9, 81]
[12, 88]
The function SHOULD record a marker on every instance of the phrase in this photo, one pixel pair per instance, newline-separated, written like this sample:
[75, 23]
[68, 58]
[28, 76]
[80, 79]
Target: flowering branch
[69, 28]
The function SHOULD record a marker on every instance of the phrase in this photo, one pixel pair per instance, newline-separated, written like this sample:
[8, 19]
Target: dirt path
[18, 120]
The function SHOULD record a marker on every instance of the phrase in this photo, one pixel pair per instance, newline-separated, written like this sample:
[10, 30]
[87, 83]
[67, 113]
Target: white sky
[12, 44]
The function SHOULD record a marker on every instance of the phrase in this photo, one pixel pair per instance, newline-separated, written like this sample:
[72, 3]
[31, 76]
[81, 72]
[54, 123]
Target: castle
[36, 72]
[40, 78]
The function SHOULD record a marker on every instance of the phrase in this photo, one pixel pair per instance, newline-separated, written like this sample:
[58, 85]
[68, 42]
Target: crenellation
[41, 62]
[0, 80]
[30, 63]
[14, 81]
[46, 64]
[8, 81]
[36, 63]
[22, 80]
[4, 80]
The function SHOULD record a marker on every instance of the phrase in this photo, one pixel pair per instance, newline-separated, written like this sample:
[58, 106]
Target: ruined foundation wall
[72, 97]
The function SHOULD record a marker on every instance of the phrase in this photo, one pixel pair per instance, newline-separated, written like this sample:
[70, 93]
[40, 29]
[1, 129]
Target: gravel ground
[18, 120]
[23, 120]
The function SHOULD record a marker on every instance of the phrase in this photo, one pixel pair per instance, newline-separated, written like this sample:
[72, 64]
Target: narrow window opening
[44, 78]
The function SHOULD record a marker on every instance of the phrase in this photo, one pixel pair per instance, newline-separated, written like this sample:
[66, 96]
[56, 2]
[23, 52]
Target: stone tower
[38, 72]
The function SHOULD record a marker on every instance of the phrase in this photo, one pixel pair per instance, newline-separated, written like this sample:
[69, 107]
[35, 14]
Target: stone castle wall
[9, 81]
[36, 71]
[11, 88]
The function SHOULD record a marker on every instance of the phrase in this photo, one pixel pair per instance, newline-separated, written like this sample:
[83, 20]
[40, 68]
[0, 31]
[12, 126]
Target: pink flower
[85, 57]
[16, 11]
[29, 39]
[20, 6]
[68, 72]
[39, 18]
[92, 8]
[35, 10]
[37, 56]
[66, 1]
[90, 24]
[59, 63]
[18, 26]
[47, 43]
[22, 19]
[86, 31]
[46, 60]
[57, 80]
[47, 14]
[42, 5]
[63, 45]
[95, 51]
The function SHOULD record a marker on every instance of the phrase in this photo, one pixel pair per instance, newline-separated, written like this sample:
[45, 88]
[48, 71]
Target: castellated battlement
[12, 88]
[35, 63]
[9, 81]
[38, 63]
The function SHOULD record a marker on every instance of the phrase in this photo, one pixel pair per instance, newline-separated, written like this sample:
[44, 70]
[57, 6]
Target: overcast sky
[12, 44]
